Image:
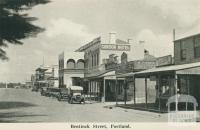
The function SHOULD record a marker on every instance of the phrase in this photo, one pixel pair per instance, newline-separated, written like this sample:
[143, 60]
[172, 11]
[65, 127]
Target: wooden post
[116, 92]
[159, 94]
[134, 89]
[104, 90]
[90, 90]
[125, 91]
[176, 90]
[146, 91]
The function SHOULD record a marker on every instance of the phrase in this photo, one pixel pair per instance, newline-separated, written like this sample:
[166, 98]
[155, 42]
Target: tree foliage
[16, 25]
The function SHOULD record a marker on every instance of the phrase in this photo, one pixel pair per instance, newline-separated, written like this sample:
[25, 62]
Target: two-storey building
[101, 56]
[71, 69]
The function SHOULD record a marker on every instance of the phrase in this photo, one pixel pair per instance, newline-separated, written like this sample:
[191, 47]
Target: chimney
[174, 34]
[112, 38]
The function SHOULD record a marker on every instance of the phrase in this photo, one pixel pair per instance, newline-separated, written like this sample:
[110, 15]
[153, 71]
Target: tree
[16, 25]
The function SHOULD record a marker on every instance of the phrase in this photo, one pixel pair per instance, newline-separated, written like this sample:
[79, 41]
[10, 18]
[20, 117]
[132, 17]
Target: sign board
[165, 60]
[115, 47]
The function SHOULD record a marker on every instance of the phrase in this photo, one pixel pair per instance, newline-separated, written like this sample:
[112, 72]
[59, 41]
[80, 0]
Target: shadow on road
[7, 117]
[10, 105]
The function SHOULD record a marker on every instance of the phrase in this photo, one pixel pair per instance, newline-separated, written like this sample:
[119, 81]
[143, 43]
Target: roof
[187, 36]
[182, 98]
[86, 46]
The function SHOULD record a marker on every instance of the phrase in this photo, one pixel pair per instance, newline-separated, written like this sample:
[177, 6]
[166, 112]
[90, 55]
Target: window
[197, 47]
[183, 50]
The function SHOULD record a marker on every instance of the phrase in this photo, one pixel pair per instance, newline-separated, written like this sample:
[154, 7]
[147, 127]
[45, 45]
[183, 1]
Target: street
[24, 106]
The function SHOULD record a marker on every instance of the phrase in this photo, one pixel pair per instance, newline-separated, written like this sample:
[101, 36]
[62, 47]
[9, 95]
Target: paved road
[19, 105]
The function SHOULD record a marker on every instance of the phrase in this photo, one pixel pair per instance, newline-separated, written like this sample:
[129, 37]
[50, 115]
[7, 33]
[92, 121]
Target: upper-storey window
[80, 64]
[71, 64]
[197, 47]
[183, 50]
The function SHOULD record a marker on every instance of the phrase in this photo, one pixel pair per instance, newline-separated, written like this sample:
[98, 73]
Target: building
[128, 88]
[187, 50]
[71, 69]
[46, 76]
[101, 57]
[172, 76]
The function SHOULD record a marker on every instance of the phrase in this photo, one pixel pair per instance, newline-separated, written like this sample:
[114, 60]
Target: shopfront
[170, 80]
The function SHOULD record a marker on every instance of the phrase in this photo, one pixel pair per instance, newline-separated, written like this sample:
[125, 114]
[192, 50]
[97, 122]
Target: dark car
[43, 91]
[63, 95]
[75, 95]
[34, 89]
[53, 92]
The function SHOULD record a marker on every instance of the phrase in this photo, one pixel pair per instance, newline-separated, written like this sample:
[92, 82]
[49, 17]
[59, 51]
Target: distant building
[46, 76]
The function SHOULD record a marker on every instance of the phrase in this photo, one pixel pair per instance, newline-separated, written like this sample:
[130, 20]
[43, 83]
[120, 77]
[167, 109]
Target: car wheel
[59, 98]
[71, 101]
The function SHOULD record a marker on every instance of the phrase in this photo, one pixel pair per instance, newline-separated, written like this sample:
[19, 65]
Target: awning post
[146, 91]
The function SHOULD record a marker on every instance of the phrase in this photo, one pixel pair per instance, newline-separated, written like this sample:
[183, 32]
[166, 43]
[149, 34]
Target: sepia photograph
[100, 61]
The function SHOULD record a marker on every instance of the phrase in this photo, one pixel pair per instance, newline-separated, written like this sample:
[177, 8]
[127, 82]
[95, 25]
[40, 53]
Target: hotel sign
[115, 47]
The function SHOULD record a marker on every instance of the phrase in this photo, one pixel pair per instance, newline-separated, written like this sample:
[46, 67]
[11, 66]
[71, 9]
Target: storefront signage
[115, 47]
[165, 60]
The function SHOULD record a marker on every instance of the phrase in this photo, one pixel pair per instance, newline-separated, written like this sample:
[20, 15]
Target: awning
[184, 68]
[192, 68]
[110, 73]
[125, 75]
[190, 71]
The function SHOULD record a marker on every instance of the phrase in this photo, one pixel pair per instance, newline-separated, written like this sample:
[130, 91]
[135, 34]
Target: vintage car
[63, 95]
[34, 89]
[43, 91]
[52, 92]
[75, 94]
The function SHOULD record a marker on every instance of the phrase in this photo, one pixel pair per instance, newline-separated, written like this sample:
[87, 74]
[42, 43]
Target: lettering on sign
[115, 47]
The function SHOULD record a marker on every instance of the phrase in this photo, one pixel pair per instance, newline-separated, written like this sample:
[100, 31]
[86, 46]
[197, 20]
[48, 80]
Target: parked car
[63, 95]
[43, 91]
[75, 94]
[34, 89]
[52, 92]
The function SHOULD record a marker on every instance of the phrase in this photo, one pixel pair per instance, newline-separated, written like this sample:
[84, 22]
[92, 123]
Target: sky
[72, 23]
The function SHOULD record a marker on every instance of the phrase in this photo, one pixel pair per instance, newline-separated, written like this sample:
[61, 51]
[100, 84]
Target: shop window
[172, 106]
[197, 47]
[183, 85]
[183, 50]
[166, 87]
